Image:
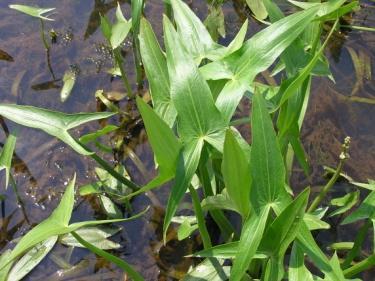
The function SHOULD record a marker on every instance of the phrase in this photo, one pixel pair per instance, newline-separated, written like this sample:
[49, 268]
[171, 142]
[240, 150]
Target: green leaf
[268, 172]
[284, 228]
[106, 28]
[137, 9]
[185, 229]
[186, 167]
[69, 79]
[208, 270]
[257, 7]
[31, 259]
[251, 235]
[120, 29]
[166, 151]
[196, 39]
[94, 235]
[5, 270]
[33, 11]
[56, 224]
[220, 201]
[364, 211]
[53, 123]
[346, 202]
[95, 135]
[110, 207]
[6, 156]
[117, 261]
[297, 269]
[225, 251]
[199, 119]
[291, 86]
[308, 245]
[282, 231]
[236, 174]
[214, 22]
[192, 32]
[155, 65]
[257, 54]
[313, 222]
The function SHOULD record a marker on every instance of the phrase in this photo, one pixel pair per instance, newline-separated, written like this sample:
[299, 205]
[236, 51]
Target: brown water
[43, 165]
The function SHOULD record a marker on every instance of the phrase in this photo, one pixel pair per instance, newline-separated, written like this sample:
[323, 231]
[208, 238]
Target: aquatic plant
[196, 86]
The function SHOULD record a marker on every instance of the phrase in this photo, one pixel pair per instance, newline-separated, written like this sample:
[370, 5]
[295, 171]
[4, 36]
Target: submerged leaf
[208, 270]
[53, 123]
[95, 235]
[31, 259]
[56, 224]
[69, 80]
[155, 65]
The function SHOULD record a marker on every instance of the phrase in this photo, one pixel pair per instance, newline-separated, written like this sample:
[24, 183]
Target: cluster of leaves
[196, 86]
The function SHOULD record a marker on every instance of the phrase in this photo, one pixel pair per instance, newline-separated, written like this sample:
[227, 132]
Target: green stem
[317, 200]
[110, 170]
[360, 238]
[200, 218]
[47, 48]
[42, 35]
[218, 216]
[359, 267]
[124, 77]
[344, 155]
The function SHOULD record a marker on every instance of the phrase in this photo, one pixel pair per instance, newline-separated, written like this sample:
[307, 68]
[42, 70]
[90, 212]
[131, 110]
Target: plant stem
[218, 216]
[200, 218]
[343, 157]
[47, 48]
[124, 77]
[359, 267]
[42, 35]
[326, 188]
[354, 251]
[110, 170]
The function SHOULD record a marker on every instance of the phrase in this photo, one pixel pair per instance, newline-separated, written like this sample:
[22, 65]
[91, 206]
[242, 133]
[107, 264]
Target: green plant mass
[187, 93]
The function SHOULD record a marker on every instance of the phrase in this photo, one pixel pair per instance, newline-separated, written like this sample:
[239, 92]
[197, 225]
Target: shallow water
[43, 165]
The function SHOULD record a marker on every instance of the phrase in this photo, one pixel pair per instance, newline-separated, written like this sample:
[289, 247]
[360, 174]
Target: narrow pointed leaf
[31, 259]
[257, 7]
[268, 173]
[164, 143]
[155, 65]
[364, 211]
[284, 228]
[186, 167]
[237, 174]
[251, 236]
[53, 123]
[297, 269]
[194, 35]
[120, 29]
[198, 116]
[259, 52]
